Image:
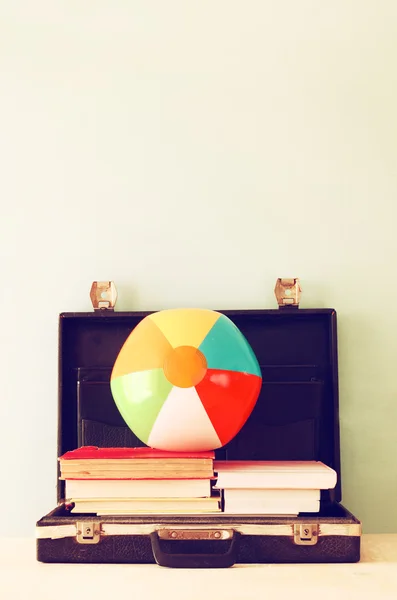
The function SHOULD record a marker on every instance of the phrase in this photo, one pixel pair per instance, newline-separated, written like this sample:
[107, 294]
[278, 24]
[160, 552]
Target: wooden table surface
[375, 578]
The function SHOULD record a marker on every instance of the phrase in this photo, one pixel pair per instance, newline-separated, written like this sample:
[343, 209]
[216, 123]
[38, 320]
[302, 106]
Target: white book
[271, 502]
[267, 509]
[133, 488]
[145, 505]
[274, 475]
[272, 496]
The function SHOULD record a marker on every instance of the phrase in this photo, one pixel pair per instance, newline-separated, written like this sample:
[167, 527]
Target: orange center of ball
[185, 366]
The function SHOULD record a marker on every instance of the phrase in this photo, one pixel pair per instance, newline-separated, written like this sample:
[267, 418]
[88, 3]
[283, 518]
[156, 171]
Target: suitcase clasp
[103, 295]
[306, 534]
[88, 532]
[288, 292]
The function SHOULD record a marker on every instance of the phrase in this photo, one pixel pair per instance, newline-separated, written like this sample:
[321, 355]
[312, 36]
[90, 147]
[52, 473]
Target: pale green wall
[194, 152]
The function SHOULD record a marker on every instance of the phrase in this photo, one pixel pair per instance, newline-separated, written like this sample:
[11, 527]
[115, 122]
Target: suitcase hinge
[103, 295]
[288, 292]
[306, 534]
[88, 532]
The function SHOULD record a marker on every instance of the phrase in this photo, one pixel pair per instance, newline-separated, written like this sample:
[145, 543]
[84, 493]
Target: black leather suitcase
[296, 418]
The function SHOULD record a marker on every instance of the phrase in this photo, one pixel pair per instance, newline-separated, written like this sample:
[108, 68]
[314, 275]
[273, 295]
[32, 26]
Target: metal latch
[195, 534]
[88, 532]
[306, 534]
[103, 295]
[288, 292]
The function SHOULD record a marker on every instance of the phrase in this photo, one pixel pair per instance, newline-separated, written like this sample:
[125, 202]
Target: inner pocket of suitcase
[286, 402]
[284, 424]
[292, 373]
[99, 422]
[95, 433]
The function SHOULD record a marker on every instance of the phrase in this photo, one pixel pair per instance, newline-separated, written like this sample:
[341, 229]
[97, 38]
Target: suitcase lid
[296, 416]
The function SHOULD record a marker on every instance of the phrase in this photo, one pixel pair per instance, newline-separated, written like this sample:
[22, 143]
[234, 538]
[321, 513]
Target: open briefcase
[295, 418]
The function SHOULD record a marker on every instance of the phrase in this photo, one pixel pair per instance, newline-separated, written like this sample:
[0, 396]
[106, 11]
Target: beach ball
[185, 380]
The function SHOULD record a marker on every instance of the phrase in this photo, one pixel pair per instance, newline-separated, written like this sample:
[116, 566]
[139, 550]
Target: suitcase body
[296, 418]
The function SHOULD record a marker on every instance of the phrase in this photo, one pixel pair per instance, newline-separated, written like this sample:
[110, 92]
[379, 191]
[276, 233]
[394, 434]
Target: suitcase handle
[194, 561]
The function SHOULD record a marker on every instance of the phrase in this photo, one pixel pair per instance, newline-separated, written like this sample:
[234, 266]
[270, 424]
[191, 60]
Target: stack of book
[130, 481]
[272, 488]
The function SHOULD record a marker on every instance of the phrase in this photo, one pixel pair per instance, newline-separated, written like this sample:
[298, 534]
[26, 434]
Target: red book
[144, 452]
